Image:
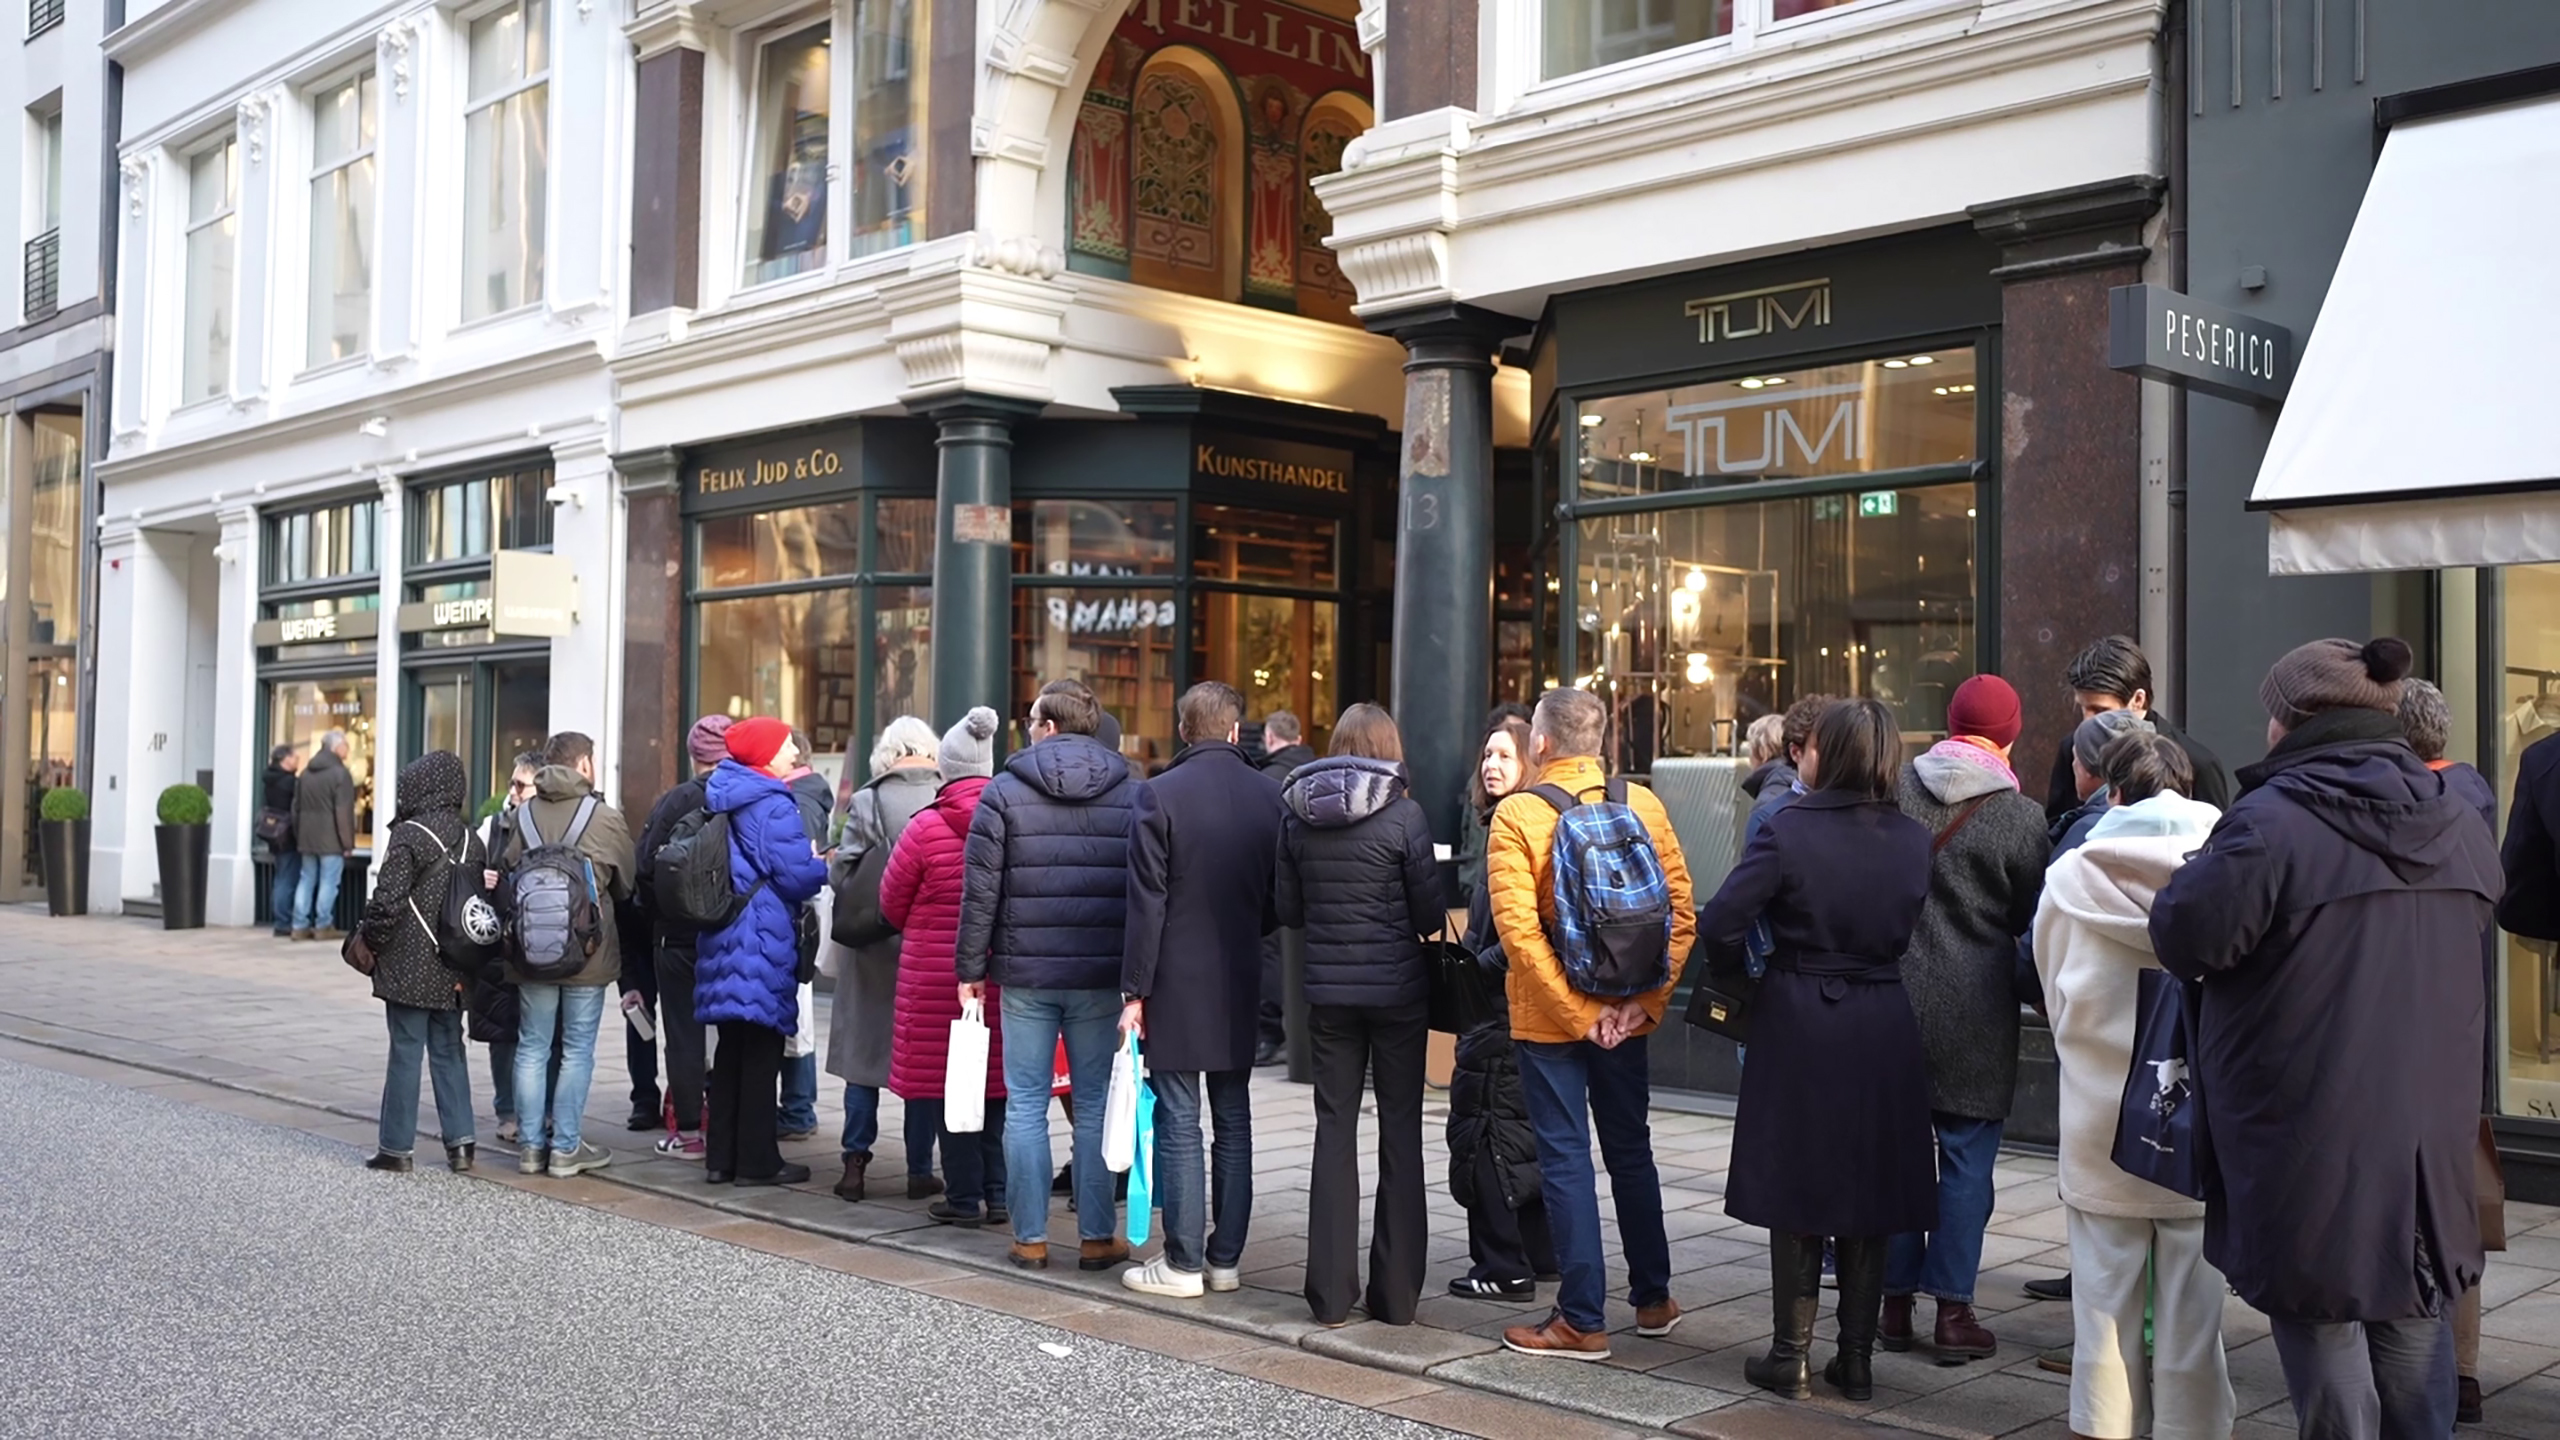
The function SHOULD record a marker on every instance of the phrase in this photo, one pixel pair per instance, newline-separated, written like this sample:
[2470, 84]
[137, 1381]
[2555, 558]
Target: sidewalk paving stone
[1602, 1390]
[1409, 1348]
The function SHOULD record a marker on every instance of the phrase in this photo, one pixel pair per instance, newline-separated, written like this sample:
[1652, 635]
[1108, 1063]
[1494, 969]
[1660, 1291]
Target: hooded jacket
[920, 894]
[557, 789]
[1357, 872]
[1203, 835]
[2093, 941]
[324, 805]
[2334, 921]
[1283, 761]
[748, 970]
[1984, 879]
[414, 869]
[1046, 896]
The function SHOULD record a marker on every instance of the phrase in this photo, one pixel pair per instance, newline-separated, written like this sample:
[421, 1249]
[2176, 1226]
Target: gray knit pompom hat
[966, 747]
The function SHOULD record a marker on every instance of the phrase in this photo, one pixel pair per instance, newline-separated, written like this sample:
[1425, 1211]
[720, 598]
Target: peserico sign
[2157, 333]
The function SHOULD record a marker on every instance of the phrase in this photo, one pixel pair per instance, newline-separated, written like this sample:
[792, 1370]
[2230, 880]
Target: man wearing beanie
[1986, 873]
[673, 951]
[2332, 924]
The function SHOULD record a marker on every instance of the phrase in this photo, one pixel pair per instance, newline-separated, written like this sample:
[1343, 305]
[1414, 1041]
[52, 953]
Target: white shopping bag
[964, 1073]
[1120, 1109]
[803, 1039]
[831, 956]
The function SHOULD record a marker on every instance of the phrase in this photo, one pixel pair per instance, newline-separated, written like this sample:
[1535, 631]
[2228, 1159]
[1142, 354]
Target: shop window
[789, 656]
[1277, 651]
[340, 324]
[786, 222]
[905, 537]
[299, 712]
[1255, 547]
[53, 550]
[1894, 413]
[1186, 177]
[902, 654]
[1694, 622]
[369, 601]
[2525, 694]
[1094, 537]
[49, 704]
[888, 124]
[1119, 640]
[1332, 123]
[459, 519]
[506, 144]
[452, 604]
[213, 242]
[323, 543]
[780, 546]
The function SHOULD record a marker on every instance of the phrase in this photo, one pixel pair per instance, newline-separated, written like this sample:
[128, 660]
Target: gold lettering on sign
[1234, 22]
[1210, 460]
[816, 465]
[1746, 313]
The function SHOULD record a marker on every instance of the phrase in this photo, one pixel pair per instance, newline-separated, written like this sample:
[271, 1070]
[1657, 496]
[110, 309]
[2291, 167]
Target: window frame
[756, 41]
[472, 105]
[225, 142]
[315, 172]
[1516, 81]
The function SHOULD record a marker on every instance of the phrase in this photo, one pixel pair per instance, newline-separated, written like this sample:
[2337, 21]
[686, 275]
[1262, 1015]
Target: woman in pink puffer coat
[920, 894]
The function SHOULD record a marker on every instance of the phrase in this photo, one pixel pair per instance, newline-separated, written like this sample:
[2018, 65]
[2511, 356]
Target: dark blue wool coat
[1046, 897]
[1202, 839]
[747, 970]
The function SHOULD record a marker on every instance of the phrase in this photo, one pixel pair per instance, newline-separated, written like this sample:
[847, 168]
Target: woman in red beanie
[1986, 872]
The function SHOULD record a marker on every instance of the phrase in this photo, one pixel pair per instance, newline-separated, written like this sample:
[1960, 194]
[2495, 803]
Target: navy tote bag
[2160, 1134]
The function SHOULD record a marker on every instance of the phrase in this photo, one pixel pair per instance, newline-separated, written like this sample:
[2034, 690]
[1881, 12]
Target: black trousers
[685, 1041]
[746, 1076]
[1387, 1044]
[640, 977]
[1270, 1026]
[1506, 1244]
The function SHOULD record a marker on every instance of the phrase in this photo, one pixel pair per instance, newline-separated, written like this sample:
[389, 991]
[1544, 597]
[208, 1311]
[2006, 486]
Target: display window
[299, 712]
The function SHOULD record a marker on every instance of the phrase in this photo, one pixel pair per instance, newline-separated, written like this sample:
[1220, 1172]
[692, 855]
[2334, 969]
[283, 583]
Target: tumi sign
[2155, 332]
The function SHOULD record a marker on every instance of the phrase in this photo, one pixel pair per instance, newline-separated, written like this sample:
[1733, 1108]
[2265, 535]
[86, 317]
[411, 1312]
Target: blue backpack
[1613, 906]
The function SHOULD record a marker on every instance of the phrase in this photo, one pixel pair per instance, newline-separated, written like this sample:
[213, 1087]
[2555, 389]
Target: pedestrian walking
[324, 833]
[564, 815]
[905, 777]
[1043, 915]
[1358, 874]
[275, 826]
[1583, 1065]
[421, 999]
[1284, 749]
[1986, 871]
[1493, 1149]
[2114, 674]
[747, 973]
[1831, 1134]
[920, 894]
[1204, 835]
[2137, 1250]
[675, 941]
[2333, 920]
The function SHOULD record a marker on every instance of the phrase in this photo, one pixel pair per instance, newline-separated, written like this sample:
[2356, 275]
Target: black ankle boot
[1860, 1264]
[1795, 1288]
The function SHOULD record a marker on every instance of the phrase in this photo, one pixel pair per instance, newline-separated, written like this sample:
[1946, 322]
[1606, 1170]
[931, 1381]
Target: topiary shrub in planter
[185, 840]
[62, 844]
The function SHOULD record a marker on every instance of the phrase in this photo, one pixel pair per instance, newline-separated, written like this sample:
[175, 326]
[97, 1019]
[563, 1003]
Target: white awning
[2423, 425]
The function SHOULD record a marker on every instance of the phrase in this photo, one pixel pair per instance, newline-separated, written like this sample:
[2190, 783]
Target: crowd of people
[2322, 922]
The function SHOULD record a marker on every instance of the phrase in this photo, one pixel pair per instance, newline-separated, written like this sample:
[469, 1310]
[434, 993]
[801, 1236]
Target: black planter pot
[185, 851]
[65, 845]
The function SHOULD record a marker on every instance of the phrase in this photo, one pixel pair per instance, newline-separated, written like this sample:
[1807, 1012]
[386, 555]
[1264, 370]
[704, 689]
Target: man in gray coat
[324, 831]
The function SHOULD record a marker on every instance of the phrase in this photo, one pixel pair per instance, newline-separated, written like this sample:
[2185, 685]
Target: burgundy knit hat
[2335, 675]
[1985, 706]
[707, 741]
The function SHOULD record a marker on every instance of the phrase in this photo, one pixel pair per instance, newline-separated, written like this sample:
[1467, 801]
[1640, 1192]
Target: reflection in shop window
[319, 605]
[299, 712]
[322, 544]
[1892, 413]
[2527, 692]
[787, 179]
[53, 551]
[1118, 641]
[905, 537]
[1256, 547]
[1586, 34]
[902, 634]
[1277, 652]
[788, 656]
[463, 518]
[1093, 537]
[1695, 622]
[888, 123]
[777, 546]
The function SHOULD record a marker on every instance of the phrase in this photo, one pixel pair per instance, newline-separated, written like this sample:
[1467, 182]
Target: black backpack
[468, 939]
[689, 875]
[547, 900]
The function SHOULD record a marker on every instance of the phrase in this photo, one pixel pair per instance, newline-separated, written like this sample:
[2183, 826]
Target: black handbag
[1722, 1000]
[273, 828]
[2160, 1130]
[858, 920]
[1462, 990]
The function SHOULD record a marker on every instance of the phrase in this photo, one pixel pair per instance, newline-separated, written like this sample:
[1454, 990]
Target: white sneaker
[1158, 1277]
[588, 1156]
[1223, 1278]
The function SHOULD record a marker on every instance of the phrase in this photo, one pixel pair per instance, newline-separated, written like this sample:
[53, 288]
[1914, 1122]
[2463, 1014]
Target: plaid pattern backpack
[1613, 906]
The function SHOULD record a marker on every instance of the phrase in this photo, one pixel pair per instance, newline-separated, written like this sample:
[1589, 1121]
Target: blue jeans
[439, 1034]
[1181, 1176]
[862, 1127]
[1563, 1084]
[1034, 1019]
[1945, 1261]
[280, 895]
[799, 1094]
[502, 1078]
[2370, 1380]
[315, 891]
[974, 1162]
[571, 1012]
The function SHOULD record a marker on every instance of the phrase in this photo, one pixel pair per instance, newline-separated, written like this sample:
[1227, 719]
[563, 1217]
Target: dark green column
[972, 551]
[1442, 680]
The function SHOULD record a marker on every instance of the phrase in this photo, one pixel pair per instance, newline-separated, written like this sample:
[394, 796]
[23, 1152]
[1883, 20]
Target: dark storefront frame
[350, 661]
[519, 517]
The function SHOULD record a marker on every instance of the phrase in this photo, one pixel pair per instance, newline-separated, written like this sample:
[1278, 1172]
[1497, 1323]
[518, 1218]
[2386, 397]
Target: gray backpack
[548, 904]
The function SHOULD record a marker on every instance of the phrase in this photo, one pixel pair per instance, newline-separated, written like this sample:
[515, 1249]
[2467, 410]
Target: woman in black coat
[1357, 872]
[421, 999]
[1493, 1152]
[1831, 1132]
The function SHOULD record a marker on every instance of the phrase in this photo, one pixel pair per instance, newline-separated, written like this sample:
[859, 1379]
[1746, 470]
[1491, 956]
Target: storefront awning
[2420, 428]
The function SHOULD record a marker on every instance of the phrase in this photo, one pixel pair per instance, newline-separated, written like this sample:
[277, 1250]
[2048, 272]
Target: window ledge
[532, 309]
[334, 367]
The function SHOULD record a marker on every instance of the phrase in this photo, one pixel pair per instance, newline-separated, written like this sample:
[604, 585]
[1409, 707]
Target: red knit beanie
[755, 741]
[1983, 706]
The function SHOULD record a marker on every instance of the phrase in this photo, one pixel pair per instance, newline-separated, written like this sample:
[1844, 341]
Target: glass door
[519, 717]
[52, 739]
[444, 713]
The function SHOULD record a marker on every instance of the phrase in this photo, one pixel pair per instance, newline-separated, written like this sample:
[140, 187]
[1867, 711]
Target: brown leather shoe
[329, 932]
[855, 1165]
[1960, 1337]
[1103, 1254]
[1893, 1328]
[303, 935]
[1558, 1338]
[1029, 1255]
[922, 1187]
[1654, 1321]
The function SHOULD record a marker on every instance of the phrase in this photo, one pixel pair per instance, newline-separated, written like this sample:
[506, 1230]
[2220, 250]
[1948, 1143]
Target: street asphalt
[168, 1271]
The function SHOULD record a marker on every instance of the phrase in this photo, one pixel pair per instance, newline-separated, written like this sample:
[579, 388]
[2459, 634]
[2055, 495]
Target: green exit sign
[1830, 507]
[1873, 503]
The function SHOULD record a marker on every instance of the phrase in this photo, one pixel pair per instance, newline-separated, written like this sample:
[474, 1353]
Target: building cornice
[664, 25]
[157, 31]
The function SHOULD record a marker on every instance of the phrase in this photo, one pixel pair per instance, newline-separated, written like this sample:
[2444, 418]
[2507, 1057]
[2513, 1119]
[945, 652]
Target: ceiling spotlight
[1897, 364]
[1751, 383]
[1940, 390]
[1641, 457]
[1589, 420]
[1697, 580]
[1924, 359]
[1775, 380]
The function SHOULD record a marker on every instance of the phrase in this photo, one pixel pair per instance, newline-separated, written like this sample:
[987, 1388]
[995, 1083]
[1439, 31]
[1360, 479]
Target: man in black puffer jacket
[1043, 909]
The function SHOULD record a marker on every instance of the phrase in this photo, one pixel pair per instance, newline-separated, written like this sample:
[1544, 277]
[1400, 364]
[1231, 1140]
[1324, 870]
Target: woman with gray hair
[859, 1031]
